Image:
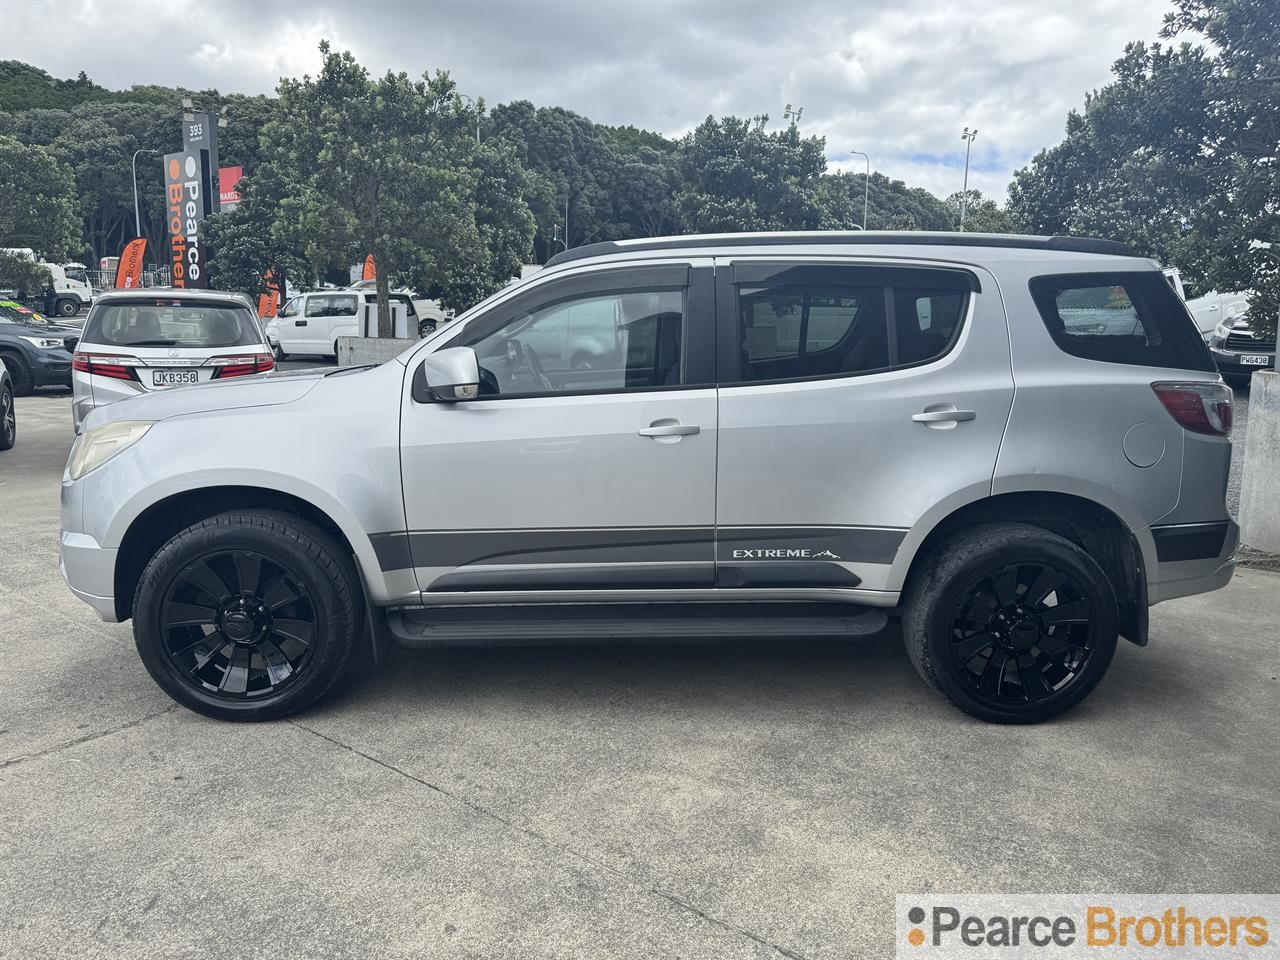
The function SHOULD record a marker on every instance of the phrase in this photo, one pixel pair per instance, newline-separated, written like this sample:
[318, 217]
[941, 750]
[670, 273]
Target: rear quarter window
[1125, 317]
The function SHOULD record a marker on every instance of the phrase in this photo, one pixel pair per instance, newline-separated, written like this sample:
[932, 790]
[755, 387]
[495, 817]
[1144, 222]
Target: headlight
[44, 343]
[1224, 328]
[95, 447]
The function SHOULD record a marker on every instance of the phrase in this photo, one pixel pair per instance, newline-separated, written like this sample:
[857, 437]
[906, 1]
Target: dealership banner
[1022, 926]
[129, 269]
[186, 202]
[269, 302]
[228, 187]
[370, 271]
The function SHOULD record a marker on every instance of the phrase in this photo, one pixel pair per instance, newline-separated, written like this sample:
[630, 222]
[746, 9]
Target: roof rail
[835, 238]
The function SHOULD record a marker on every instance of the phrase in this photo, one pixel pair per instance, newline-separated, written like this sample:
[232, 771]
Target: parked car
[139, 341]
[69, 290]
[1238, 349]
[794, 435]
[33, 349]
[311, 323]
[8, 416]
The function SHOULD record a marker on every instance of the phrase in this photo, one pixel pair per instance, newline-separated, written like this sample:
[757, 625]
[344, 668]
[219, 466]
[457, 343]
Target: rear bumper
[1192, 558]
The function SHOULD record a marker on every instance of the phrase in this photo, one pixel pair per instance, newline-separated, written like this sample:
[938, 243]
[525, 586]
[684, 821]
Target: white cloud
[896, 79]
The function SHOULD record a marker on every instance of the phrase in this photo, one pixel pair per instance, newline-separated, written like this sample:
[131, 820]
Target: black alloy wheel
[1021, 634]
[238, 625]
[1010, 622]
[248, 615]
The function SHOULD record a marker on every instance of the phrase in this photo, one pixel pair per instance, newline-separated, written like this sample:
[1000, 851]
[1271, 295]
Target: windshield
[11, 312]
[76, 273]
[172, 323]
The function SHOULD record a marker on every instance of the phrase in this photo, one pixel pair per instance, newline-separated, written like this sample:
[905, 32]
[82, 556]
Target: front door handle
[665, 428]
[299, 323]
[943, 416]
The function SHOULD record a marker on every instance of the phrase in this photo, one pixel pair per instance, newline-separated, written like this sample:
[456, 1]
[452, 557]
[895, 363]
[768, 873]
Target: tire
[68, 308]
[582, 362]
[1021, 601]
[281, 356]
[426, 327]
[207, 615]
[8, 421]
[19, 374]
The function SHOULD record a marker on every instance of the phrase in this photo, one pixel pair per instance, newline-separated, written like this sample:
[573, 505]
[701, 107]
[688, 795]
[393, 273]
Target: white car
[310, 324]
[137, 341]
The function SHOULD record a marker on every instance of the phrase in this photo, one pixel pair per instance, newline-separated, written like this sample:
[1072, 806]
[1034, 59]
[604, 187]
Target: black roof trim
[913, 238]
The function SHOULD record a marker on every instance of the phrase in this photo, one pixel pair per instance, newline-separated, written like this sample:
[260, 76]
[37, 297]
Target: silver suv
[1020, 443]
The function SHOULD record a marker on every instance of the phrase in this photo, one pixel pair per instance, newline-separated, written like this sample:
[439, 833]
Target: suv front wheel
[1010, 622]
[247, 615]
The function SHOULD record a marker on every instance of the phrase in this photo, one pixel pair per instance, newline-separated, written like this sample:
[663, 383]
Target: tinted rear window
[172, 323]
[1134, 318]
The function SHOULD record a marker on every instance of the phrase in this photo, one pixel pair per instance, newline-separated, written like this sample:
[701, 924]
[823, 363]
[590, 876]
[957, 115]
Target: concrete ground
[726, 801]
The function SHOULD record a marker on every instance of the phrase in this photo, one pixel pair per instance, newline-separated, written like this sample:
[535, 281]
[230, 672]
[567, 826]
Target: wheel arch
[151, 528]
[1098, 530]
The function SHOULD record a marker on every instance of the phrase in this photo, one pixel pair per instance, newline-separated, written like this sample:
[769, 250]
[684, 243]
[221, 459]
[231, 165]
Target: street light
[968, 137]
[792, 115]
[463, 96]
[866, 186]
[137, 220]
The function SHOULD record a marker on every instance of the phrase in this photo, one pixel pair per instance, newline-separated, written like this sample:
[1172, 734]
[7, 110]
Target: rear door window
[1134, 318]
[334, 305]
[806, 321]
[171, 323]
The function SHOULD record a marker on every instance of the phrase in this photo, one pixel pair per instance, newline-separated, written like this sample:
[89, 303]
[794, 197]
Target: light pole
[968, 137]
[137, 220]
[463, 96]
[792, 115]
[866, 186]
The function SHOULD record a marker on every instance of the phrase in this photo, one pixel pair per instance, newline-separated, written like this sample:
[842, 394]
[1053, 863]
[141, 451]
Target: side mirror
[447, 376]
[69, 344]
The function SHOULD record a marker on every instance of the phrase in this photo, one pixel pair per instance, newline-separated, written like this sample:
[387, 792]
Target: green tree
[736, 175]
[891, 204]
[981, 215]
[39, 201]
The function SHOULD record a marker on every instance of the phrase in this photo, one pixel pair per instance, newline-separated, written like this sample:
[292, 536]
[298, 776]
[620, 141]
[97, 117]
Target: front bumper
[1228, 361]
[89, 571]
[51, 368]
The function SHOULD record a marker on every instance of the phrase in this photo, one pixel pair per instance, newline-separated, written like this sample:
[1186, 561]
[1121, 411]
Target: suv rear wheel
[1011, 623]
[8, 420]
[247, 615]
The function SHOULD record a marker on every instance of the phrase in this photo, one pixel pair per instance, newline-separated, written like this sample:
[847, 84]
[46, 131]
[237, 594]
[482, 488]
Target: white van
[311, 323]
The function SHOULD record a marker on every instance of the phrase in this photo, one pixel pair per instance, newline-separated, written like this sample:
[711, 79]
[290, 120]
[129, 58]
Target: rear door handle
[299, 323]
[660, 429]
[943, 416]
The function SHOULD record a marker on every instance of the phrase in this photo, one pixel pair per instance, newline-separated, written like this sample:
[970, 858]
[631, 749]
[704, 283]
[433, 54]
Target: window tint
[804, 323]
[607, 341]
[171, 323]
[1134, 318]
[333, 305]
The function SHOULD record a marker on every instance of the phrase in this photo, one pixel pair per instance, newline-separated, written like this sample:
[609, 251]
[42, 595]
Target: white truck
[71, 288]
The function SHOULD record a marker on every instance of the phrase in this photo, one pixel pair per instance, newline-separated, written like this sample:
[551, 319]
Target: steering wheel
[526, 368]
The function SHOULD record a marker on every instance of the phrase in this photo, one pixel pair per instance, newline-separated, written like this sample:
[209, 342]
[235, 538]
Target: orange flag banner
[129, 272]
[370, 269]
[269, 302]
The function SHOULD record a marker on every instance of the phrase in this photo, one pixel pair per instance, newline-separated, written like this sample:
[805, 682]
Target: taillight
[241, 366]
[105, 365]
[1199, 407]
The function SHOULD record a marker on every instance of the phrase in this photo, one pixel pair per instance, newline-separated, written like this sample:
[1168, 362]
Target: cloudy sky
[898, 80]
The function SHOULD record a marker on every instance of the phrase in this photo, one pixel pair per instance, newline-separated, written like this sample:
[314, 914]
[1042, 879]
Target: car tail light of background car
[243, 365]
[111, 365]
[1199, 407]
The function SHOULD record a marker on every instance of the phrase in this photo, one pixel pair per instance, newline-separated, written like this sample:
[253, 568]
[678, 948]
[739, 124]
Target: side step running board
[554, 625]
